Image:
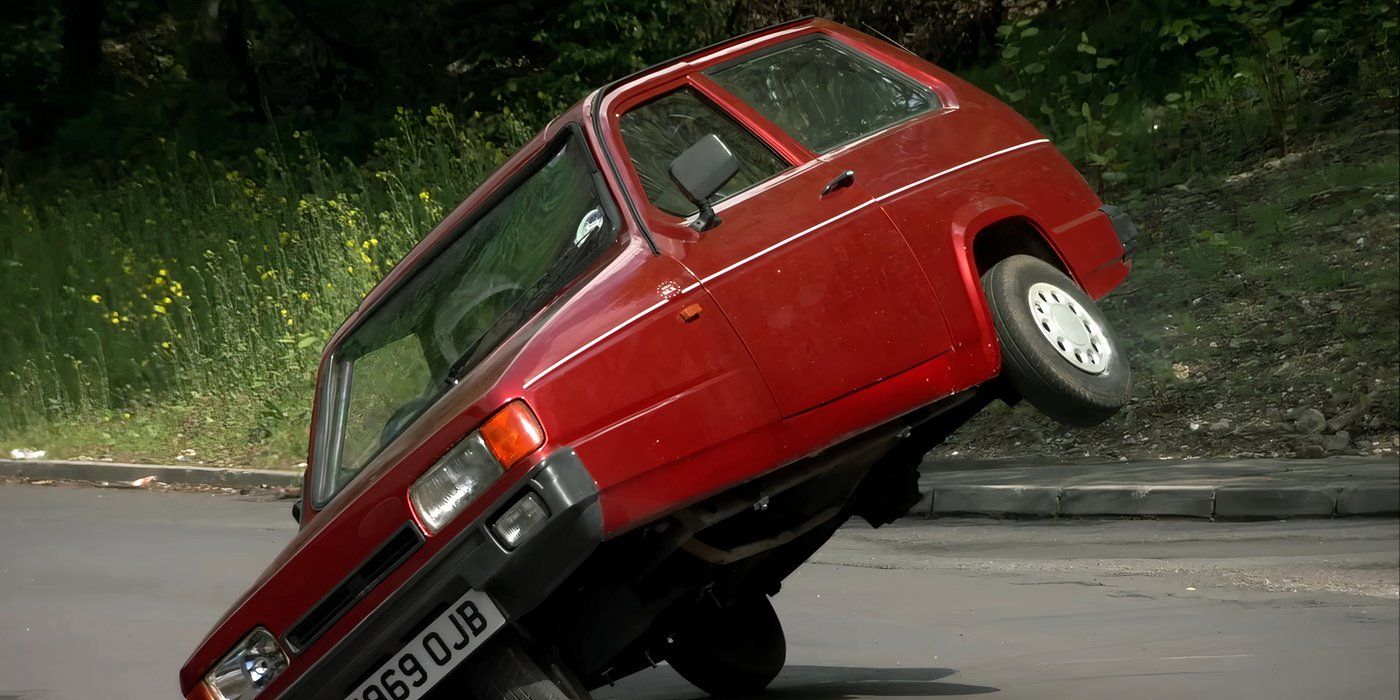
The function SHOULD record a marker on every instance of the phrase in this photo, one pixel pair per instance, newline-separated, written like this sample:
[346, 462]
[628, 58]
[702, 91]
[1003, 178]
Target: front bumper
[1123, 226]
[517, 580]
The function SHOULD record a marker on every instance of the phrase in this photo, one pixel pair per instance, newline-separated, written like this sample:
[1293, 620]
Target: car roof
[700, 52]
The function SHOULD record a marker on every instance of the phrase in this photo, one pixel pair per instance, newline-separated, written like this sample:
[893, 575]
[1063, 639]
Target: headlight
[461, 475]
[249, 668]
[474, 464]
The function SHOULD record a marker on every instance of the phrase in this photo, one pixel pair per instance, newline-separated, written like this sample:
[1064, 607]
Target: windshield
[431, 329]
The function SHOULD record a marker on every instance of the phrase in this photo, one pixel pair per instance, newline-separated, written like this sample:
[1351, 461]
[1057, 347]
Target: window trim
[336, 380]
[937, 103]
[722, 112]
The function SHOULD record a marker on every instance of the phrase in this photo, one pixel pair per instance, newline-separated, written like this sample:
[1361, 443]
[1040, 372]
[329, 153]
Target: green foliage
[193, 277]
[1181, 85]
[85, 81]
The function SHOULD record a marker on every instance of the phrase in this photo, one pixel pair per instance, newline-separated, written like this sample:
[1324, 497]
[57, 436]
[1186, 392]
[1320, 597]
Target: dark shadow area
[836, 683]
[811, 683]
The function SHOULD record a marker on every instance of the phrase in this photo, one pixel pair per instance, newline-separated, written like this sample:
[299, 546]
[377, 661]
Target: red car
[709, 314]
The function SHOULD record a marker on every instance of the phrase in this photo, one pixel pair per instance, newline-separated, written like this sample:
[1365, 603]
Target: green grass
[186, 307]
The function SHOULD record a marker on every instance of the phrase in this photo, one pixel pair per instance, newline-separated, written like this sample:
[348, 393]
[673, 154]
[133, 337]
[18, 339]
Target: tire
[732, 651]
[506, 670]
[1081, 377]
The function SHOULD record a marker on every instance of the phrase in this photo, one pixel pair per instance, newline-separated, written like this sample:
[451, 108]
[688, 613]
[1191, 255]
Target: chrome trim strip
[785, 241]
[956, 168]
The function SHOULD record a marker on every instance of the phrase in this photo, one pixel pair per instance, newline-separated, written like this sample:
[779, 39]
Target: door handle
[845, 179]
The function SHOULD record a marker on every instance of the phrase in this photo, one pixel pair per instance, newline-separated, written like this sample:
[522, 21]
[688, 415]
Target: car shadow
[809, 683]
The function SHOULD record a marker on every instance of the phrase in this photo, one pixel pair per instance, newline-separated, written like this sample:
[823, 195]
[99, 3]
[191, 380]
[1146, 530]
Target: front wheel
[1056, 347]
[733, 650]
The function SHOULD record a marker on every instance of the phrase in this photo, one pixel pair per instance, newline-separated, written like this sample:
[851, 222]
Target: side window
[659, 131]
[824, 95]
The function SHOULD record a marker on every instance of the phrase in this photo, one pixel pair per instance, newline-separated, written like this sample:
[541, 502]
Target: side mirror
[296, 511]
[700, 172]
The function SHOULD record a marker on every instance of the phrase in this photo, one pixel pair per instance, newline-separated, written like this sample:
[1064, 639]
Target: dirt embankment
[1262, 317]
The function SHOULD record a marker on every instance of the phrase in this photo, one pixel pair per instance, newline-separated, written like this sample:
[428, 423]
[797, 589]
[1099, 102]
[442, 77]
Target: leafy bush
[1155, 90]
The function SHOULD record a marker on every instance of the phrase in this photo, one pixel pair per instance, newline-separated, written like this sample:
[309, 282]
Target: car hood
[335, 541]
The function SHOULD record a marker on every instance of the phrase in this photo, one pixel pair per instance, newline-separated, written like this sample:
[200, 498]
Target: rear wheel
[1056, 347]
[734, 650]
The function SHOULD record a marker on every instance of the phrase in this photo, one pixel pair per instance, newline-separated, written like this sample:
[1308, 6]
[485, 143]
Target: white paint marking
[1160, 658]
[1215, 656]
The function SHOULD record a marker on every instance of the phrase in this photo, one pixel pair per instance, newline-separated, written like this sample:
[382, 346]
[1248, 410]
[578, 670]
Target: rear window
[824, 95]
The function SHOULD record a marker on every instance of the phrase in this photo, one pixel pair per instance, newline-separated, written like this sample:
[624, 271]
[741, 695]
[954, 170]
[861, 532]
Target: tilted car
[709, 314]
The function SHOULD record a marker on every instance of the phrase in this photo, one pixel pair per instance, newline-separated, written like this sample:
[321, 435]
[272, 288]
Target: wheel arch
[1016, 234]
[997, 227]
[992, 229]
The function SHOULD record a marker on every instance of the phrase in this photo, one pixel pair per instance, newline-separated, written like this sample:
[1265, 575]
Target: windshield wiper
[459, 368]
[512, 312]
[529, 294]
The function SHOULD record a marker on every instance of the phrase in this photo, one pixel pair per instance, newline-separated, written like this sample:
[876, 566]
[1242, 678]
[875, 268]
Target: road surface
[103, 594]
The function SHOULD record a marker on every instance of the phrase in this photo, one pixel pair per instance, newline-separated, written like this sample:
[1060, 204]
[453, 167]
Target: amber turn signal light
[513, 433]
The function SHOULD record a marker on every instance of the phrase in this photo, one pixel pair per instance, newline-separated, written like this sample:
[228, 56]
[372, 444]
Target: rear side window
[824, 95]
[659, 131]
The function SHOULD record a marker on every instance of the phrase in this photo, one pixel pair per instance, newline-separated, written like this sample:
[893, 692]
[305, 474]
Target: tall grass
[192, 278]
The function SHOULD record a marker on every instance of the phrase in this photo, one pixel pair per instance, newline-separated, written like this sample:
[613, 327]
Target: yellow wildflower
[96, 298]
[159, 309]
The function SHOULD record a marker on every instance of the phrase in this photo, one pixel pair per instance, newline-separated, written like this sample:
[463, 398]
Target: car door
[816, 280]
[899, 128]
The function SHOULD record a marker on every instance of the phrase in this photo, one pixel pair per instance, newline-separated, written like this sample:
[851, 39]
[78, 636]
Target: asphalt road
[103, 593]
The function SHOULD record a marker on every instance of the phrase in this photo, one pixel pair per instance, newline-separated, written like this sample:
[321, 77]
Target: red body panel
[819, 318]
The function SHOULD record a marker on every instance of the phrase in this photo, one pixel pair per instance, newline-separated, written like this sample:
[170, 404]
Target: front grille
[393, 552]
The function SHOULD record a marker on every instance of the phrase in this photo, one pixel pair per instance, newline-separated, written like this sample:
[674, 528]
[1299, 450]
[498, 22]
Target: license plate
[449, 640]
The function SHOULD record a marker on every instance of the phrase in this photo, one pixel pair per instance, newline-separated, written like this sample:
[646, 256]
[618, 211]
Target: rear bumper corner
[1124, 226]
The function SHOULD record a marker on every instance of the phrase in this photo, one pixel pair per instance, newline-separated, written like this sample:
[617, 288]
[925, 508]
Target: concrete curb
[1239, 489]
[114, 472]
[1139, 500]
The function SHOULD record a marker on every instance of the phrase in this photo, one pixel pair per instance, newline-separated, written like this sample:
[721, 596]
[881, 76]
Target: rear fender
[967, 222]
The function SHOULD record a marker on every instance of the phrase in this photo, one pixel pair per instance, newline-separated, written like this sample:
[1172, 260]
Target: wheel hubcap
[1070, 329]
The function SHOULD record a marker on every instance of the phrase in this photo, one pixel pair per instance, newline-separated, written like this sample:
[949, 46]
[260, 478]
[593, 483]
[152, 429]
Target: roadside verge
[124, 473]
